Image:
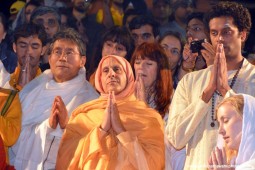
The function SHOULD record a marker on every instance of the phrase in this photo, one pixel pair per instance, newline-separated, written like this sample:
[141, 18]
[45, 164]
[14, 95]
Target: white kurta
[4, 75]
[174, 159]
[190, 117]
[38, 144]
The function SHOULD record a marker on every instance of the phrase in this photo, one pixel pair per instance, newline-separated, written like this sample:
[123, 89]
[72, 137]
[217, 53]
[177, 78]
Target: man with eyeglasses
[29, 45]
[143, 29]
[50, 19]
[48, 101]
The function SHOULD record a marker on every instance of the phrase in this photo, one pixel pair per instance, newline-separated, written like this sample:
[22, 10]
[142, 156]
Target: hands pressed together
[111, 119]
[59, 114]
[218, 160]
[219, 76]
[25, 74]
[140, 89]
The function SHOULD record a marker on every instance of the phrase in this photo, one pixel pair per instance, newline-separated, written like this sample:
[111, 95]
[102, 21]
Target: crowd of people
[138, 84]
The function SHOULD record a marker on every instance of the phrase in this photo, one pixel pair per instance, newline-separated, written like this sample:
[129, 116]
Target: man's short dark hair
[30, 29]
[195, 15]
[42, 10]
[142, 20]
[72, 35]
[240, 15]
[130, 12]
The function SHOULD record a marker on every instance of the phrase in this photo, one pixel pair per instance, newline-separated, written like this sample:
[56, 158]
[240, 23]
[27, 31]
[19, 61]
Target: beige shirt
[4, 75]
[190, 117]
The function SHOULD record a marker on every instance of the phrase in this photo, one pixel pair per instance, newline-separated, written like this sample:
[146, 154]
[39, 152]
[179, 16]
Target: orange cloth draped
[129, 89]
[10, 123]
[15, 77]
[141, 146]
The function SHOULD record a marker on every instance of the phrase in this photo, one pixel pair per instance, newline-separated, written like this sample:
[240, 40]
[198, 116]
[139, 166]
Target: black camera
[196, 46]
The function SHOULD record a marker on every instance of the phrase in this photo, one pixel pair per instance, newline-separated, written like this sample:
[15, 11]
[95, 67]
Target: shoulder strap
[8, 102]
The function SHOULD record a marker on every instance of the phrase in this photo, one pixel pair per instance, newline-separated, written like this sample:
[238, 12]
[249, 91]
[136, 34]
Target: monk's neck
[234, 63]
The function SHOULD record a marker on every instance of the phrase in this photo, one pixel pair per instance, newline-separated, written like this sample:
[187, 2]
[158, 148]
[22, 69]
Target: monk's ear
[44, 49]
[243, 35]
[83, 61]
[14, 47]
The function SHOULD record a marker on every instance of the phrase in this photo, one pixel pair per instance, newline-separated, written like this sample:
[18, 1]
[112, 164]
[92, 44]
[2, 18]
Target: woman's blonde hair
[236, 101]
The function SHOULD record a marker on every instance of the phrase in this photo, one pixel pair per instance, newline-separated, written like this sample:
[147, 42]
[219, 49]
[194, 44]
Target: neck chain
[231, 86]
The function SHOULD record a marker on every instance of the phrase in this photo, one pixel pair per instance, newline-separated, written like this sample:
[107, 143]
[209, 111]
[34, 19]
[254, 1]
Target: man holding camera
[198, 53]
[192, 120]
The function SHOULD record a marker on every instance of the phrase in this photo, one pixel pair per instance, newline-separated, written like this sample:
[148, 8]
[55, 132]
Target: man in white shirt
[192, 122]
[48, 101]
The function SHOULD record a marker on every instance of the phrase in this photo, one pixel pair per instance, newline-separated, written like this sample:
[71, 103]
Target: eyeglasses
[67, 53]
[50, 22]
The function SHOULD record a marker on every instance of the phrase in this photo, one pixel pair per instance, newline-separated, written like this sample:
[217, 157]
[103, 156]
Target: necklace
[218, 93]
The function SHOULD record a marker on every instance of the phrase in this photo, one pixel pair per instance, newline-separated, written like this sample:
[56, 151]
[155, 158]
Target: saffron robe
[141, 146]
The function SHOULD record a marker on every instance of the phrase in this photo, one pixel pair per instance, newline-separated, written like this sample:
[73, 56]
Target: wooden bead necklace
[218, 93]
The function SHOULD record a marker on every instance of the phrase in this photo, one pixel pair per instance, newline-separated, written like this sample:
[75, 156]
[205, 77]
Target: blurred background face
[205, 5]
[143, 34]
[147, 69]
[113, 76]
[28, 11]
[195, 30]
[230, 125]
[81, 5]
[49, 22]
[114, 48]
[172, 47]
[182, 12]
[161, 10]
[30, 47]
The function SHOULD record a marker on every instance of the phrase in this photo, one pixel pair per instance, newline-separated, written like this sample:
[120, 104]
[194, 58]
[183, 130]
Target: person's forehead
[32, 38]
[111, 61]
[113, 42]
[219, 23]
[46, 16]
[226, 110]
[172, 41]
[195, 21]
[143, 29]
[65, 43]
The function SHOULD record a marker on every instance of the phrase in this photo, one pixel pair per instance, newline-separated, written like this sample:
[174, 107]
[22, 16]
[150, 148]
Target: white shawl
[246, 153]
[4, 75]
[36, 99]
